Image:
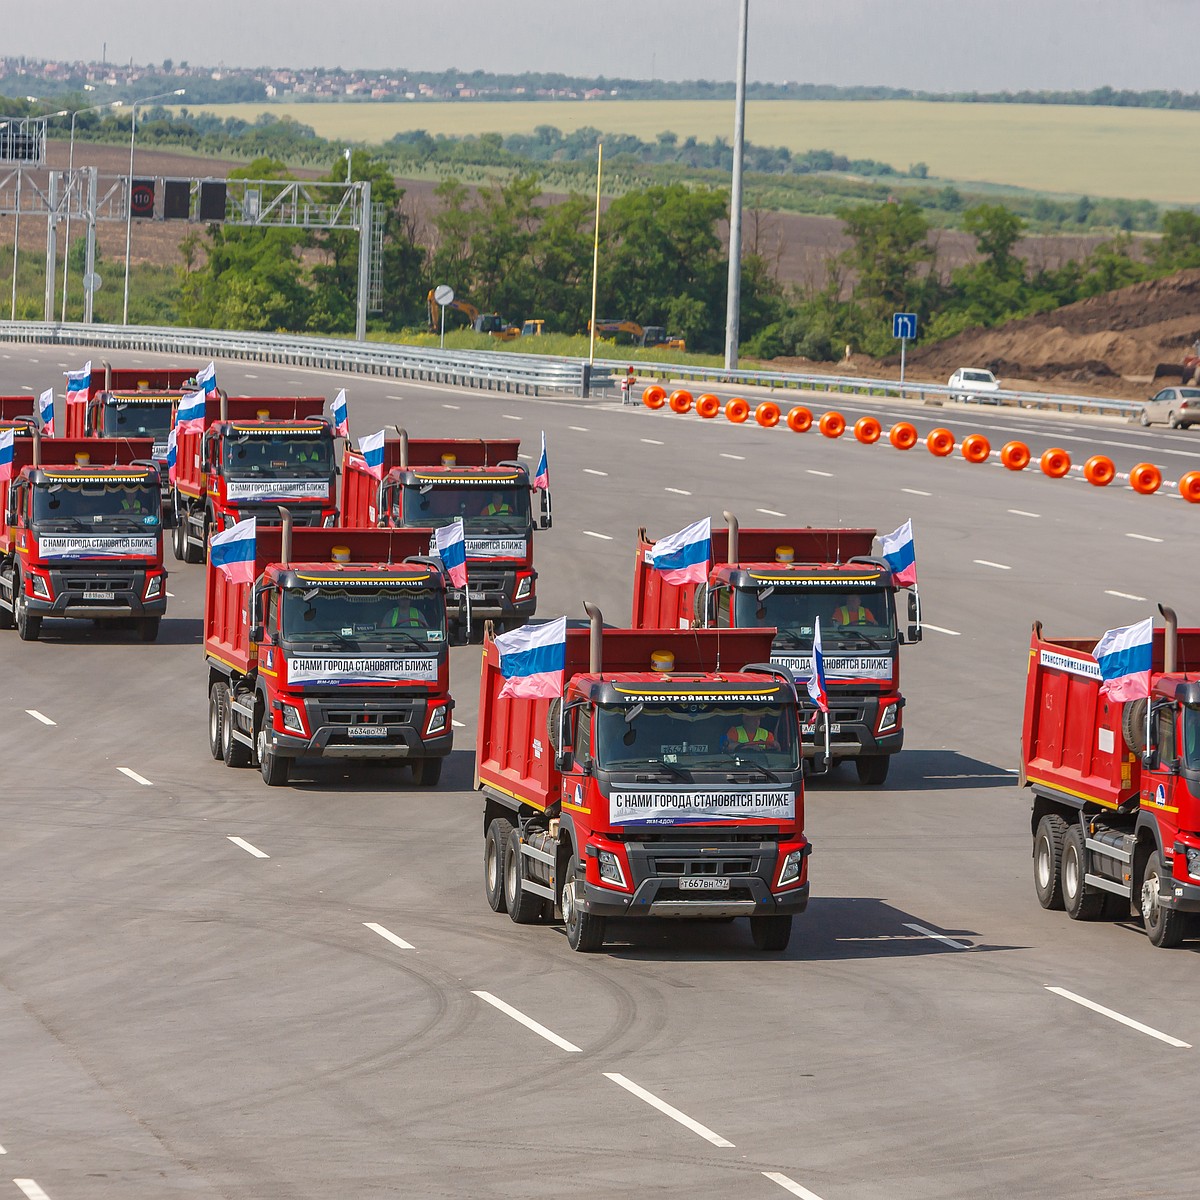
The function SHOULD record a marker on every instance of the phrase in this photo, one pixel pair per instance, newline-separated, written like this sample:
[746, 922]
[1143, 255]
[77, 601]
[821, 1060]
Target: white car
[973, 383]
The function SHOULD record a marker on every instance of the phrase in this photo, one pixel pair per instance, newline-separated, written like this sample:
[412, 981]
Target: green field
[1133, 153]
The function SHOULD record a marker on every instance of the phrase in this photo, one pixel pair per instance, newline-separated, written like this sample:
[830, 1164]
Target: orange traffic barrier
[867, 430]
[1015, 455]
[976, 448]
[832, 424]
[737, 410]
[1189, 487]
[654, 396]
[708, 406]
[799, 420]
[1145, 479]
[681, 401]
[767, 414]
[1099, 470]
[1056, 462]
[903, 435]
[940, 442]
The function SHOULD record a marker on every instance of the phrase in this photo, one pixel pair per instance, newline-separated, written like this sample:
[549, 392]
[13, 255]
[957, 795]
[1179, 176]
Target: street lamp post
[733, 314]
[129, 198]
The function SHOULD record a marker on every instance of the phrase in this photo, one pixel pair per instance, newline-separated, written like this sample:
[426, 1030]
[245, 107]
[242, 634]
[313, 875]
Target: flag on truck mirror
[372, 451]
[900, 554]
[533, 659]
[451, 544]
[684, 557]
[6, 453]
[1124, 656]
[232, 552]
[541, 477]
[190, 413]
[172, 452]
[79, 383]
[816, 681]
[341, 415]
[46, 412]
[207, 379]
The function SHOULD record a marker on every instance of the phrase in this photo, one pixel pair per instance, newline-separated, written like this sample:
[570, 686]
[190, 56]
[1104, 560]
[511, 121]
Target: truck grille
[721, 866]
[98, 584]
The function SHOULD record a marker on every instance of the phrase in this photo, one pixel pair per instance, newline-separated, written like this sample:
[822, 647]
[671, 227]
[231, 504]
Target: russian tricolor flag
[206, 380]
[232, 552]
[6, 453]
[341, 415]
[172, 452]
[372, 450]
[816, 681]
[1124, 656]
[46, 411]
[900, 554]
[541, 477]
[79, 382]
[533, 659]
[683, 557]
[190, 413]
[451, 542]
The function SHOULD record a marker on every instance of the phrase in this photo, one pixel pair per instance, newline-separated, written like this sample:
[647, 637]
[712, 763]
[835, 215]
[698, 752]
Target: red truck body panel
[14, 407]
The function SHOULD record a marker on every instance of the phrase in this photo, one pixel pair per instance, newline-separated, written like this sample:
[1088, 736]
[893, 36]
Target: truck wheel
[1133, 725]
[495, 845]
[7, 575]
[771, 933]
[1164, 926]
[148, 628]
[524, 907]
[1080, 901]
[179, 537]
[427, 771]
[872, 768]
[29, 625]
[585, 932]
[216, 720]
[700, 605]
[274, 768]
[1047, 860]
[235, 753]
[191, 552]
[552, 716]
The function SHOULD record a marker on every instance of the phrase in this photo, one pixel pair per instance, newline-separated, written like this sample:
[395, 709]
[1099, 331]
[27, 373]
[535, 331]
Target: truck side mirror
[1150, 759]
[547, 511]
[564, 760]
[912, 633]
[256, 633]
[913, 607]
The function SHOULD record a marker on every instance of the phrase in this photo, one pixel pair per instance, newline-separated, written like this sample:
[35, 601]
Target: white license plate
[367, 731]
[703, 883]
[835, 728]
[476, 595]
[99, 595]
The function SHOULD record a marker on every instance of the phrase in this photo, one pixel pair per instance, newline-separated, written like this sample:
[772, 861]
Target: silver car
[1177, 407]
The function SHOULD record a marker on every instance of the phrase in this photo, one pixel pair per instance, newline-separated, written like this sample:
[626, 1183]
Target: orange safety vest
[841, 615]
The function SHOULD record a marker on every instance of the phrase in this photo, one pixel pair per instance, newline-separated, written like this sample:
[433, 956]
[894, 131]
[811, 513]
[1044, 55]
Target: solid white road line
[770, 512]
[37, 716]
[735, 457]
[790, 1185]
[916, 492]
[135, 777]
[983, 562]
[389, 936]
[939, 629]
[653, 442]
[677, 491]
[1143, 537]
[604, 537]
[580, 429]
[31, 1189]
[1020, 512]
[1124, 595]
[665, 1108]
[823, 474]
[1116, 1016]
[528, 1022]
[938, 937]
[245, 845]
[593, 471]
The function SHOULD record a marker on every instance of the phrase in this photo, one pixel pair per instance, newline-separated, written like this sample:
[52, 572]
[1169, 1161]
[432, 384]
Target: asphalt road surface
[209, 988]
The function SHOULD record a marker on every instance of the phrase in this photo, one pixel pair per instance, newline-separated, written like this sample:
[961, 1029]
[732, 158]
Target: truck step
[1108, 885]
[538, 889]
[1108, 850]
[537, 855]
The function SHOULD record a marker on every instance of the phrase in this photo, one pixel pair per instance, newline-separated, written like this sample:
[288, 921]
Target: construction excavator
[1188, 369]
[645, 336]
[489, 323]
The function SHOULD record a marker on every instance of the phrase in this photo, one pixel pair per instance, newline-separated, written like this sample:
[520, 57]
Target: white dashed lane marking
[37, 716]
[983, 562]
[939, 629]
[937, 937]
[652, 442]
[770, 512]
[1143, 537]
[735, 457]
[135, 776]
[1020, 512]
[790, 1185]
[823, 474]
[604, 537]
[31, 1189]
[593, 471]
[245, 845]
[677, 491]
[916, 492]
[580, 429]
[667, 1109]
[389, 936]
[1124, 595]
[528, 1022]
[1120, 1018]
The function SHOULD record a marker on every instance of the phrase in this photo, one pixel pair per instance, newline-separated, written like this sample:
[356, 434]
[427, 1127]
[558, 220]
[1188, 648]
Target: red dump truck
[433, 481]
[635, 796]
[129, 402]
[82, 534]
[254, 454]
[1116, 786]
[337, 650]
[785, 578]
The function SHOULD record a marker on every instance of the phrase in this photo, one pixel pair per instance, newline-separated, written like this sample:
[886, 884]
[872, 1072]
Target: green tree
[996, 230]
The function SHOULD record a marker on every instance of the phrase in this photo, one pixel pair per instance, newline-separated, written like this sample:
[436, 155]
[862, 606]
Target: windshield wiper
[342, 640]
[667, 768]
[410, 639]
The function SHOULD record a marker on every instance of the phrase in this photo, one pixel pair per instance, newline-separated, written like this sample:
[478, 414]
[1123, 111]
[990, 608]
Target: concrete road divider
[1055, 462]
[976, 448]
[737, 410]
[800, 419]
[1189, 487]
[708, 406]
[832, 424]
[940, 442]
[767, 414]
[1015, 455]
[654, 396]
[1099, 470]
[1145, 479]
[681, 401]
[867, 430]
[903, 435]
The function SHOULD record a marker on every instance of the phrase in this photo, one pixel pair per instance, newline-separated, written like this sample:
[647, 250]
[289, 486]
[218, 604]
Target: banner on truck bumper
[358, 668]
[673, 808]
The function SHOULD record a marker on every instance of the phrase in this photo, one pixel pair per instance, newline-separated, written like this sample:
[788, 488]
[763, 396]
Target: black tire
[235, 753]
[1081, 902]
[872, 768]
[148, 628]
[191, 552]
[495, 846]
[179, 536]
[585, 931]
[552, 714]
[1165, 927]
[216, 720]
[1047, 860]
[427, 771]
[700, 604]
[523, 907]
[29, 625]
[1144, 418]
[1133, 726]
[771, 933]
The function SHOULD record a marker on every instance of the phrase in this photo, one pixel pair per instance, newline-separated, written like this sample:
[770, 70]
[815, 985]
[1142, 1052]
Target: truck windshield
[364, 616]
[484, 510]
[277, 456]
[713, 737]
[1191, 738]
[87, 505]
[138, 418]
[864, 619]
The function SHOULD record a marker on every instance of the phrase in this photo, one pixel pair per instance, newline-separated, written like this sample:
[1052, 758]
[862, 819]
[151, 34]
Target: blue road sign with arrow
[904, 325]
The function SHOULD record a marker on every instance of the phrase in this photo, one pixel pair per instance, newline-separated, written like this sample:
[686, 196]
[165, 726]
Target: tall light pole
[734, 304]
[129, 214]
[70, 174]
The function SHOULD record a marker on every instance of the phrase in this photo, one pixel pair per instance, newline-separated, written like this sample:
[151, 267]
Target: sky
[932, 45]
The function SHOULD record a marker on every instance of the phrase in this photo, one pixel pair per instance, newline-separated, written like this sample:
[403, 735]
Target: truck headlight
[610, 868]
[887, 717]
[153, 587]
[41, 585]
[1193, 861]
[437, 719]
[293, 722]
[791, 867]
[524, 588]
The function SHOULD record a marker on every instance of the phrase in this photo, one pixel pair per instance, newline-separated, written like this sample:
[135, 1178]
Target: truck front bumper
[395, 728]
[333, 741]
[855, 720]
[75, 596]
